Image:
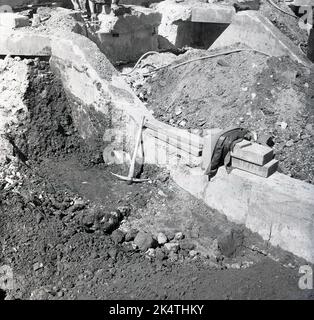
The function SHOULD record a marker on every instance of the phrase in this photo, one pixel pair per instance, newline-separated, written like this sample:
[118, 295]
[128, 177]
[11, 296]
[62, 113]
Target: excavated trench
[67, 226]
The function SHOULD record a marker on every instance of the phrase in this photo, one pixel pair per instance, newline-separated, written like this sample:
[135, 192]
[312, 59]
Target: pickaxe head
[128, 179]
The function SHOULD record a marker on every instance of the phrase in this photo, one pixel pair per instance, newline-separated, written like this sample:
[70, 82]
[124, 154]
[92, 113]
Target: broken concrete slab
[191, 23]
[23, 44]
[13, 20]
[124, 38]
[134, 19]
[213, 13]
[252, 29]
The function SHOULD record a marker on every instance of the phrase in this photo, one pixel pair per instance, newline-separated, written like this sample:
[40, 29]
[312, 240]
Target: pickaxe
[130, 178]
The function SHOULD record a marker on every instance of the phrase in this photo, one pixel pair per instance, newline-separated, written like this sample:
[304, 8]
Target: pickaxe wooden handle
[137, 143]
[130, 178]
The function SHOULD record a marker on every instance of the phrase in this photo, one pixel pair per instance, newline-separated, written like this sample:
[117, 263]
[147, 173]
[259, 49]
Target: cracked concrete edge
[253, 29]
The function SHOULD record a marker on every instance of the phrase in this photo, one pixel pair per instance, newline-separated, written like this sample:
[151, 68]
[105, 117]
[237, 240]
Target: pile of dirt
[45, 128]
[271, 96]
[72, 231]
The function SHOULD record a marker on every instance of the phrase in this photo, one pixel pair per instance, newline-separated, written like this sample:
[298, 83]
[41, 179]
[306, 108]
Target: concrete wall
[279, 208]
[124, 38]
[14, 3]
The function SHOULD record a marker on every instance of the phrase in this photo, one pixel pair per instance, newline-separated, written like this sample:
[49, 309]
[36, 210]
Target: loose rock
[144, 241]
[172, 246]
[161, 238]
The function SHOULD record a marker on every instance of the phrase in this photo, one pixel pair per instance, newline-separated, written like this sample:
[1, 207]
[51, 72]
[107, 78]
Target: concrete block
[301, 3]
[263, 171]
[23, 44]
[213, 14]
[253, 152]
[13, 20]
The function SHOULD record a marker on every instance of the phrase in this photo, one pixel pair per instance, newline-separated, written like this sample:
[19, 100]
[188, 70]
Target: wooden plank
[176, 142]
[177, 134]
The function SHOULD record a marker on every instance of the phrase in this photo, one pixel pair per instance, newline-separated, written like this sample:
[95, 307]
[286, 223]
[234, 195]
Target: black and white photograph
[156, 155]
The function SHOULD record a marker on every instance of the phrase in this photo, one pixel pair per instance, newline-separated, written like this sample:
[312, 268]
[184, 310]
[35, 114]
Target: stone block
[252, 152]
[263, 171]
[213, 14]
[13, 20]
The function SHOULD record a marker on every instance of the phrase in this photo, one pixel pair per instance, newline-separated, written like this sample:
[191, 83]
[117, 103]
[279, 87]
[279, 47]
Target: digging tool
[130, 178]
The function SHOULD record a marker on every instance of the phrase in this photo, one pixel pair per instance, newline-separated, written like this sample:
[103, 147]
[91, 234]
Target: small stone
[178, 111]
[130, 235]
[244, 89]
[161, 238]
[186, 245]
[235, 266]
[37, 266]
[309, 127]
[172, 246]
[173, 257]
[283, 125]
[123, 211]
[39, 217]
[193, 253]
[161, 193]
[144, 241]
[289, 143]
[39, 294]
[117, 236]
[170, 235]
[109, 222]
[151, 252]
[182, 123]
[79, 204]
[179, 236]
[60, 294]
[266, 140]
[113, 253]
[160, 255]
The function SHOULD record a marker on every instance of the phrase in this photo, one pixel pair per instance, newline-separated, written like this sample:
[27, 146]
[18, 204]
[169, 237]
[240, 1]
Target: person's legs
[83, 5]
[92, 8]
[75, 4]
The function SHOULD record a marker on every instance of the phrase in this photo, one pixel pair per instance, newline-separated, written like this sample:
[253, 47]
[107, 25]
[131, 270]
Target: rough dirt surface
[69, 230]
[271, 96]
